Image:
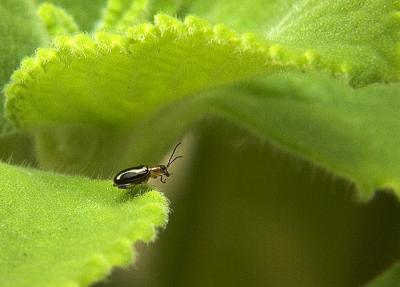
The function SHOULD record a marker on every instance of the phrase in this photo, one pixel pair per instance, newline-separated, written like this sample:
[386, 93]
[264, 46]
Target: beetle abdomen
[132, 175]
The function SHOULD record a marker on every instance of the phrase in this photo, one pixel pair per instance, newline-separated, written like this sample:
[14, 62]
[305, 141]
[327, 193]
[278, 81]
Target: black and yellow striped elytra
[130, 177]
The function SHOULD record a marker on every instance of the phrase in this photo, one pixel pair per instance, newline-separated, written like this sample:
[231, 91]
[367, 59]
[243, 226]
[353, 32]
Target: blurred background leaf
[58, 22]
[20, 34]
[86, 13]
[389, 279]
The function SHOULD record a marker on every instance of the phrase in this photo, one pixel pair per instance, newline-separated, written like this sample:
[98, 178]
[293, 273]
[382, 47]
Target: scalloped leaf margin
[81, 228]
[209, 57]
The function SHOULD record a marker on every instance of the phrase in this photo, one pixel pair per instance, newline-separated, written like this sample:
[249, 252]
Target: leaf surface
[343, 31]
[68, 231]
[20, 34]
[57, 20]
[122, 14]
[101, 94]
[390, 278]
[86, 13]
[101, 102]
[313, 117]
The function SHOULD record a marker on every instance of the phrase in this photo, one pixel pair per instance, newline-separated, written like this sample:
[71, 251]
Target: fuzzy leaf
[361, 36]
[351, 132]
[113, 13]
[169, 40]
[57, 21]
[86, 13]
[66, 231]
[182, 58]
[20, 34]
[121, 14]
[311, 116]
[100, 94]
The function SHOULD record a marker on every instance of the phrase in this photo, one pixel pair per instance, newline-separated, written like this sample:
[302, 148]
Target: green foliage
[69, 231]
[86, 13]
[114, 13]
[132, 50]
[290, 78]
[20, 34]
[343, 31]
[192, 57]
[302, 114]
[121, 14]
[57, 21]
[295, 224]
[389, 279]
[324, 121]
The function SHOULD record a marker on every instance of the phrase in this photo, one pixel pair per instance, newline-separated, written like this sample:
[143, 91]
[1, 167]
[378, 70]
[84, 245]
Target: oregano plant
[98, 86]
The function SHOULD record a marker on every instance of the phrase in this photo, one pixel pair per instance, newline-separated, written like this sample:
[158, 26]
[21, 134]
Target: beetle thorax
[158, 171]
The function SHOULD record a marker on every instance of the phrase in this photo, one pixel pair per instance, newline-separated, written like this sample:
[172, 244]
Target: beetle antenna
[174, 160]
[172, 155]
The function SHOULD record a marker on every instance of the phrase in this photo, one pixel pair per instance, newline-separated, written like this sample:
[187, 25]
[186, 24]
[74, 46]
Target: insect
[128, 178]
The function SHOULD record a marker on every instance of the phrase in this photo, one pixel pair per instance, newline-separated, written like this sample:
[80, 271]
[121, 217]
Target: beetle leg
[162, 179]
[132, 188]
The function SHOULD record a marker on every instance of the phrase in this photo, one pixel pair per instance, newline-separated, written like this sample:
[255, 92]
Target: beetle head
[164, 170]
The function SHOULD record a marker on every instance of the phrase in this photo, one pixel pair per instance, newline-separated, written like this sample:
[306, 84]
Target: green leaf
[352, 133]
[390, 278]
[20, 34]
[57, 21]
[141, 46]
[207, 57]
[361, 35]
[68, 231]
[97, 103]
[86, 13]
[54, 89]
[101, 100]
[121, 14]
[113, 13]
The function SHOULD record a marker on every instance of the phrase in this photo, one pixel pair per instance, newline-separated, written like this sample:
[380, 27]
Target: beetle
[130, 177]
